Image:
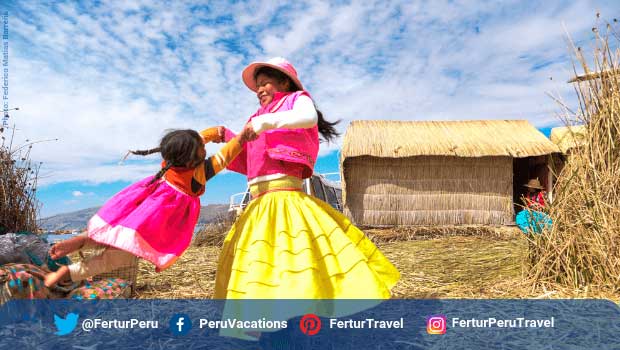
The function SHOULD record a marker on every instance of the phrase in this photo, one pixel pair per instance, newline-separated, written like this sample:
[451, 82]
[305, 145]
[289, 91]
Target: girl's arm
[214, 134]
[303, 115]
[239, 164]
[223, 157]
[220, 134]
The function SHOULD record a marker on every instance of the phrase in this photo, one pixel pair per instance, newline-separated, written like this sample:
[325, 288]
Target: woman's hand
[221, 133]
[247, 134]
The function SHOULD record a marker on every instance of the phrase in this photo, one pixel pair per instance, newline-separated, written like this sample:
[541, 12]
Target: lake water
[53, 238]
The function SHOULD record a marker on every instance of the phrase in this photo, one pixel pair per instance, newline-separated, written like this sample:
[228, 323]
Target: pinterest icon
[310, 324]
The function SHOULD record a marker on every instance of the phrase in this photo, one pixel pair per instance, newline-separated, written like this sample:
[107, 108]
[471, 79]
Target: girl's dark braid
[146, 152]
[140, 153]
[161, 173]
[178, 148]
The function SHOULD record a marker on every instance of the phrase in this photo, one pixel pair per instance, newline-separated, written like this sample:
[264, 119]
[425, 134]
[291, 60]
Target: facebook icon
[180, 324]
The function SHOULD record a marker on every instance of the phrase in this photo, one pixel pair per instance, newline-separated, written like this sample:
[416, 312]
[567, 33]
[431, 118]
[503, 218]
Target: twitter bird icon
[65, 325]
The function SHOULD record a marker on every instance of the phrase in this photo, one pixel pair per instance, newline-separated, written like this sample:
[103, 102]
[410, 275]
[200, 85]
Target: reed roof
[471, 138]
[568, 137]
[595, 75]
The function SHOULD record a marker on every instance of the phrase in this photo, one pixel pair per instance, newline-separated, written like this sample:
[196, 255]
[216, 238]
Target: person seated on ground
[535, 196]
[533, 219]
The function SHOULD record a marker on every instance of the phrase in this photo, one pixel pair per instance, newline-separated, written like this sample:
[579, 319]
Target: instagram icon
[436, 324]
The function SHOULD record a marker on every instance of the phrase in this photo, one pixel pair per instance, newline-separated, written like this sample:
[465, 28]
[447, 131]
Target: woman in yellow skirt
[286, 244]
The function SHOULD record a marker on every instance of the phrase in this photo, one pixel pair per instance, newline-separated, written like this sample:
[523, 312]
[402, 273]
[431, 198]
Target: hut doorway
[525, 169]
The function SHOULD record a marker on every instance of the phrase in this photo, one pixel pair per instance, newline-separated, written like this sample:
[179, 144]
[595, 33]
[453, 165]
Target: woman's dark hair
[178, 148]
[326, 128]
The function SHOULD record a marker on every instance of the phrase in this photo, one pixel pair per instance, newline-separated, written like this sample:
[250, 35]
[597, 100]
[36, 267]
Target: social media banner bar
[310, 324]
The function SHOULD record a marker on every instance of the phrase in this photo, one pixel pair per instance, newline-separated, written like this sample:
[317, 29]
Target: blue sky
[104, 77]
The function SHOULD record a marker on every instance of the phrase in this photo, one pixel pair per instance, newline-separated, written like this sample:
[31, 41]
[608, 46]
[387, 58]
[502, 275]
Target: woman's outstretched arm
[302, 116]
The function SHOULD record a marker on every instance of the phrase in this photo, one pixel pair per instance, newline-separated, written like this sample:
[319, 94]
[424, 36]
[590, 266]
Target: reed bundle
[582, 249]
[18, 184]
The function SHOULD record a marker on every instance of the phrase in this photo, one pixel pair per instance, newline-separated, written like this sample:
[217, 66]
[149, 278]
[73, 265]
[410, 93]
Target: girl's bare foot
[54, 277]
[65, 247]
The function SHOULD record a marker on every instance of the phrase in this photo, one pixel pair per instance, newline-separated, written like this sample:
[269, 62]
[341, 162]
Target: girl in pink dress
[154, 218]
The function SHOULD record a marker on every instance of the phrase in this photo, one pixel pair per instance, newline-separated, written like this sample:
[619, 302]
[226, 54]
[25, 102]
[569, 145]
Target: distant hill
[78, 220]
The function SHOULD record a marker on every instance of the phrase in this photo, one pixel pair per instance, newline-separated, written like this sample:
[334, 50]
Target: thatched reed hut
[568, 137]
[440, 172]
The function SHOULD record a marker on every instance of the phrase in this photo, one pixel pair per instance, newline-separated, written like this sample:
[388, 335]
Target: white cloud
[107, 77]
[82, 194]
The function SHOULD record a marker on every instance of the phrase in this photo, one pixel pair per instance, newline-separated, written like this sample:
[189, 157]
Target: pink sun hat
[278, 63]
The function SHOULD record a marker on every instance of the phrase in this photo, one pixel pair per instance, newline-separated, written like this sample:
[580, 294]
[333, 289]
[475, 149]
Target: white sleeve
[302, 116]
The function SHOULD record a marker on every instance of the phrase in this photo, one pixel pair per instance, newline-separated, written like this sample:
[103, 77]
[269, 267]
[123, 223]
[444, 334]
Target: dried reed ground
[476, 263]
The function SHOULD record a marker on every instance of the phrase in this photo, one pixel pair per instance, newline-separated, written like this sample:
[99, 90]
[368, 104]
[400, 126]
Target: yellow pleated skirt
[289, 245]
